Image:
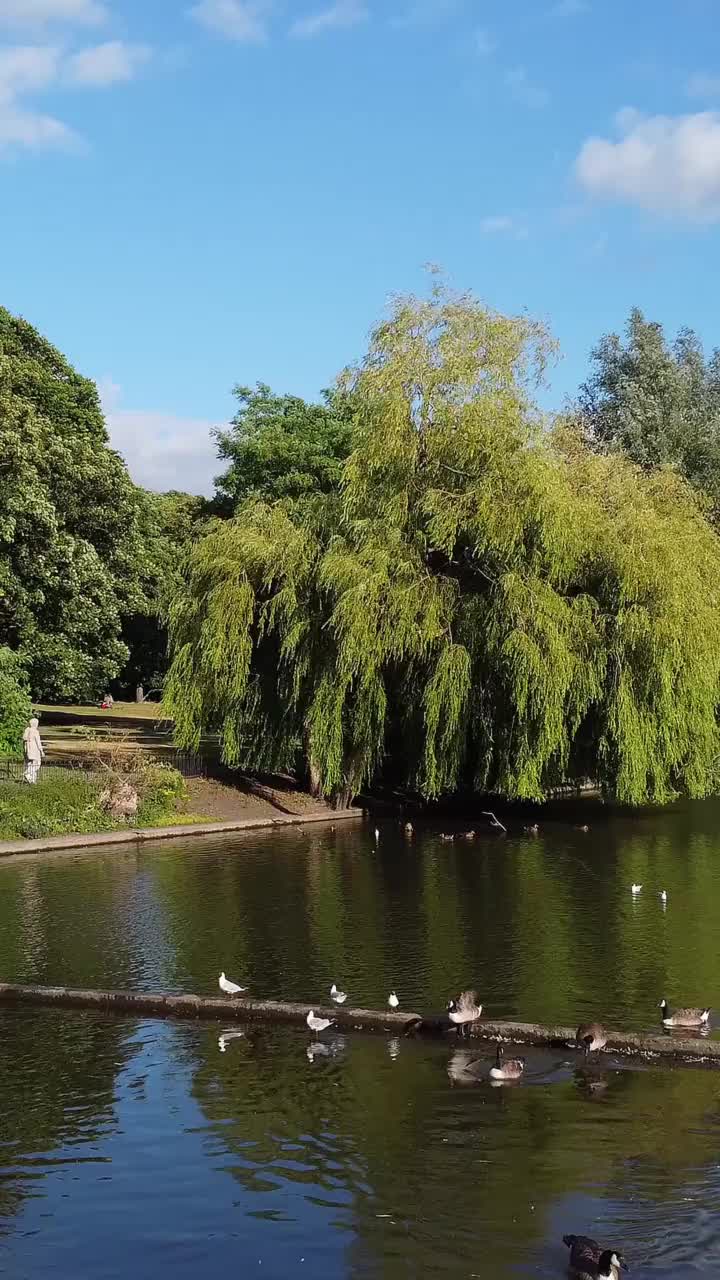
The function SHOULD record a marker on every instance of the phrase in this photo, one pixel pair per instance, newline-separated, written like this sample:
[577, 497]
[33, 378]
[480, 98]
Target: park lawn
[127, 710]
[67, 803]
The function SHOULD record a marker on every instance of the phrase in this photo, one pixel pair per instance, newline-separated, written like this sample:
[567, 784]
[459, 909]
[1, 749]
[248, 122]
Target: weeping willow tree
[483, 602]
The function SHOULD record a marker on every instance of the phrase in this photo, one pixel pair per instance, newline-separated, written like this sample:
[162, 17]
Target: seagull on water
[318, 1024]
[338, 996]
[393, 1000]
[663, 895]
[635, 888]
[377, 835]
[230, 988]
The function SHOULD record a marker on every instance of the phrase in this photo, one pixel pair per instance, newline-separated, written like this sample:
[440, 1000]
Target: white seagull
[663, 895]
[635, 888]
[393, 1000]
[338, 996]
[230, 988]
[377, 835]
[318, 1024]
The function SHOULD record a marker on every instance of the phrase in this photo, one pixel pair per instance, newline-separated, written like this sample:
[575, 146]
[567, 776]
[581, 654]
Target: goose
[683, 1017]
[589, 1262]
[318, 1024]
[339, 997]
[464, 1010]
[393, 1000]
[230, 988]
[590, 1037]
[506, 1068]
[635, 888]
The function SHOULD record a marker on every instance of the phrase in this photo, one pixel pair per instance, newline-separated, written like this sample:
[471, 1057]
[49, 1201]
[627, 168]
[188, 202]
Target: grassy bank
[67, 802]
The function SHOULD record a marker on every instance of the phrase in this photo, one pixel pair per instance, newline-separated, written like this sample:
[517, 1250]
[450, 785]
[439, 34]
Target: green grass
[67, 803]
[127, 710]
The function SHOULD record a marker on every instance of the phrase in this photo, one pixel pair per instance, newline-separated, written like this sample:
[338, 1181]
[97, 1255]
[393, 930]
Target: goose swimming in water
[318, 1024]
[506, 1068]
[230, 988]
[589, 1262]
[464, 1010]
[591, 1038]
[338, 996]
[683, 1017]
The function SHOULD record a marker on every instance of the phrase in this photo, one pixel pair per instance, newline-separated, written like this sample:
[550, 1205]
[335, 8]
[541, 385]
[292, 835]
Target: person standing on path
[33, 751]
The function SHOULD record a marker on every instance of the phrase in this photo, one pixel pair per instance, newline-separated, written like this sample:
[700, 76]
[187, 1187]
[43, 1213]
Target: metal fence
[186, 763]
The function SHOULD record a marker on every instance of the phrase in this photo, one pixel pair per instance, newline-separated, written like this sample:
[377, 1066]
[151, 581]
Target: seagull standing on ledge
[393, 1000]
[318, 1024]
[338, 996]
[230, 988]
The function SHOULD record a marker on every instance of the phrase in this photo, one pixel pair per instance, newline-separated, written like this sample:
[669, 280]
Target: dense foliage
[281, 447]
[484, 602]
[86, 557]
[15, 707]
[658, 403]
[69, 801]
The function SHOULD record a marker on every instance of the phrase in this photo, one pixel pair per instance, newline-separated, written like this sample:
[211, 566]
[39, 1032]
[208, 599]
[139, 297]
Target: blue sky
[202, 192]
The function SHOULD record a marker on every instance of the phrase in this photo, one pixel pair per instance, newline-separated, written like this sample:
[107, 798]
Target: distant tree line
[421, 575]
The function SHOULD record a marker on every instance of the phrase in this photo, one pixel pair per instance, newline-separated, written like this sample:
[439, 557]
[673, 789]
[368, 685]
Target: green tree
[658, 402]
[484, 602]
[73, 562]
[281, 447]
[15, 706]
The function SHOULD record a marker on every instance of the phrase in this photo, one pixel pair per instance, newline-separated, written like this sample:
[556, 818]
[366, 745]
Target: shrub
[15, 706]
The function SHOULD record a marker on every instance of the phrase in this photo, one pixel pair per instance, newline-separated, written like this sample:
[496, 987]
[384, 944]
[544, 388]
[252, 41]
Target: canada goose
[591, 1038]
[318, 1024]
[683, 1017]
[506, 1069]
[393, 1000]
[534, 830]
[589, 1262]
[635, 888]
[339, 997]
[464, 1010]
[230, 988]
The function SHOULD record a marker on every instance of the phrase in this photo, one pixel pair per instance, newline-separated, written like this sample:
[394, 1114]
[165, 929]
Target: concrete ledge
[130, 835]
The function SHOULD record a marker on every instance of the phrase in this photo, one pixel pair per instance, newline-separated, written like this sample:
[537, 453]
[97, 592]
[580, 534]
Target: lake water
[141, 1149]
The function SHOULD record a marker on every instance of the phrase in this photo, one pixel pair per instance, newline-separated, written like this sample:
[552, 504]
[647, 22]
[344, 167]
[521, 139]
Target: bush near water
[67, 801]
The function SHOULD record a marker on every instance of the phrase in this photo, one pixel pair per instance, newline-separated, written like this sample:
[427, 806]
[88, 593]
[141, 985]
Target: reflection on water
[145, 1149]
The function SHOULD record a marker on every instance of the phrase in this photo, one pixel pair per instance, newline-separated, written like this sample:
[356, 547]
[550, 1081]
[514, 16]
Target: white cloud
[242, 20]
[665, 164]
[524, 91]
[109, 63]
[568, 9]
[484, 43]
[32, 130]
[39, 13]
[24, 68]
[342, 14]
[704, 86]
[163, 450]
[503, 224]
